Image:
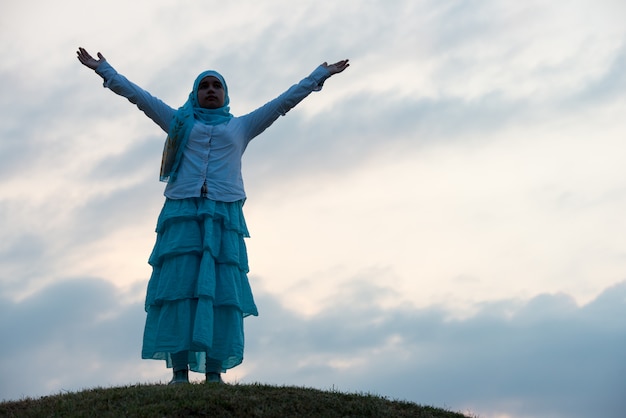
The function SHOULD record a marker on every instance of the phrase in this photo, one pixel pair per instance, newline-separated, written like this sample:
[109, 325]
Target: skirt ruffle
[199, 292]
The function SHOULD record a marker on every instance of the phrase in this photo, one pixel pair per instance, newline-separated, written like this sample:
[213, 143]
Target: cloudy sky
[442, 223]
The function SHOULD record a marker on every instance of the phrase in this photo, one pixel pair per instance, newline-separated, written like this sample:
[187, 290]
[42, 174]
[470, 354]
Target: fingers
[83, 52]
[339, 66]
[87, 60]
[83, 55]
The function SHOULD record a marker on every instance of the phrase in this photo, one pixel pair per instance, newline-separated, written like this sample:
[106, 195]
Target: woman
[198, 293]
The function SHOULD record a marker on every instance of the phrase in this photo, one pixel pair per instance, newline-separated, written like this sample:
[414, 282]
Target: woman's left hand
[337, 67]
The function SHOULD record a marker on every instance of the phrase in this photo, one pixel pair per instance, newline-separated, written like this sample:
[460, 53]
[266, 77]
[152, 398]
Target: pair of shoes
[180, 376]
[212, 377]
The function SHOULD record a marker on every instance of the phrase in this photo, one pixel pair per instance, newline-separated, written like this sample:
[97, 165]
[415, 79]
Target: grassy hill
[201, 400]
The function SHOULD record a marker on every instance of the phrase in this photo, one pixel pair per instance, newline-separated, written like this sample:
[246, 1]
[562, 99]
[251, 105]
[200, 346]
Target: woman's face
[210, 93]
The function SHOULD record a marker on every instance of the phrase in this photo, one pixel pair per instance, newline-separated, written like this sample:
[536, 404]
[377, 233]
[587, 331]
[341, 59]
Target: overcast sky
[442, 223]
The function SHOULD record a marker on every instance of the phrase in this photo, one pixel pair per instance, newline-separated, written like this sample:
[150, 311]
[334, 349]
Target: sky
[442, 223]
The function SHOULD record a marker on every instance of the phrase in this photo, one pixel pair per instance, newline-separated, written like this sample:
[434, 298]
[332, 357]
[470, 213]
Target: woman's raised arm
[154, 108]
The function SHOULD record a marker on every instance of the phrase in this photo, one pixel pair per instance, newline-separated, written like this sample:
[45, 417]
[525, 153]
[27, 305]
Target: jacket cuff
[106, 71]
[319, 75]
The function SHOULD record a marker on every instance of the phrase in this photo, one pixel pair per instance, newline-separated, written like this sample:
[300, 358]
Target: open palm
[87, 60]
[337, 67]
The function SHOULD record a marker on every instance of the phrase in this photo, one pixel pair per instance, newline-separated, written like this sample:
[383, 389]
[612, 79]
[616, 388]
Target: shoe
[180, 376]
[214, 378]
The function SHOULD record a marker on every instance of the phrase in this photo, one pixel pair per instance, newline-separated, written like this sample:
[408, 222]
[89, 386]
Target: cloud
[541, 357]
[607, 87]
[366, 127]
[19, 258]
[70, 335]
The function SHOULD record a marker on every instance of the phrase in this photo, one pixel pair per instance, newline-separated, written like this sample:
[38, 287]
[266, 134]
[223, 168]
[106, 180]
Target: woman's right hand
[87, 60]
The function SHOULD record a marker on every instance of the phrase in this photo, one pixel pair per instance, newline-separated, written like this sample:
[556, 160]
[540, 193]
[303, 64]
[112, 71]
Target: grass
[202, 400]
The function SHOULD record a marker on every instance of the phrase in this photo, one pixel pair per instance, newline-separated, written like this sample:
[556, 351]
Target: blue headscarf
[183, 121]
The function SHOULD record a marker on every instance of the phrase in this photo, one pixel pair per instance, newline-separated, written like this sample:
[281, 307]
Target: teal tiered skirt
[199, 292]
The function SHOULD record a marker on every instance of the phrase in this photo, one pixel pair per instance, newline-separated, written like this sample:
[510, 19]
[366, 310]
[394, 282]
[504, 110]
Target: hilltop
[201, 400]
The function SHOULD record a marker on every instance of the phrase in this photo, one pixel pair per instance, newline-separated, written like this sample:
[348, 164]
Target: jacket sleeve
[153, 107]
[260, 119]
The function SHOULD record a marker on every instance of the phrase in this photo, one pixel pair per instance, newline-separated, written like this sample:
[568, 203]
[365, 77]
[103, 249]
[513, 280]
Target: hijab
[183, 121]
